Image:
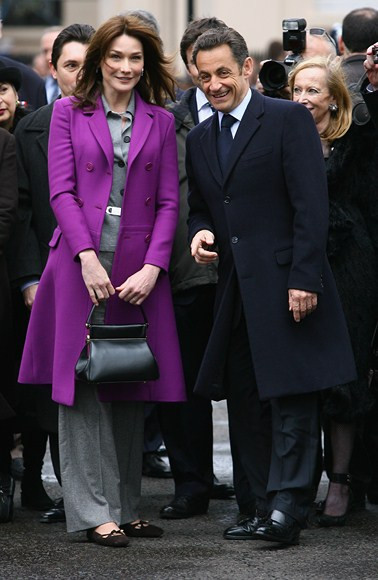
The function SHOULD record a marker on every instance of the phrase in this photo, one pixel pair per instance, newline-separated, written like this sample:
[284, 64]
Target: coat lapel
[208, 142]
[247, 128]
[100, 129]
[142, 125]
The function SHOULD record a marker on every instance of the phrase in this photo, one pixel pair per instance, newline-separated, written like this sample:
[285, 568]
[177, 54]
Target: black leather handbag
[116, 354]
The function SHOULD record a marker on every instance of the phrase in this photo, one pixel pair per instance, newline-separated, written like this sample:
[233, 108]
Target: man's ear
[52, 70]
[248, 67]
[341, 44]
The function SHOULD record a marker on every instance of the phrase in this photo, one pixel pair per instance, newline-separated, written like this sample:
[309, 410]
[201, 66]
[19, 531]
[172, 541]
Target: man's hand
[302, 303]
[95, 277]
[199, 247]
[371, 68]
[138, 286]
[29, 295]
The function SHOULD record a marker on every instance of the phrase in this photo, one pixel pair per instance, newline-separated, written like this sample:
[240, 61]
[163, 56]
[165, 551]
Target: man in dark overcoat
[258, 200]
[30, 242]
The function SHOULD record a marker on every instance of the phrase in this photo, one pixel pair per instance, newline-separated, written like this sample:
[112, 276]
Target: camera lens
[273, 75]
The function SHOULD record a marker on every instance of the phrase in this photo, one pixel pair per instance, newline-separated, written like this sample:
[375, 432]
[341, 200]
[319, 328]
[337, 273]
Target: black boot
[6, 497]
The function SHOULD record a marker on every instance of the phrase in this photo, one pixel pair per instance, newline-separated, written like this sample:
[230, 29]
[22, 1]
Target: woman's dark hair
[217, 37]
[157, 83]
[74, 33]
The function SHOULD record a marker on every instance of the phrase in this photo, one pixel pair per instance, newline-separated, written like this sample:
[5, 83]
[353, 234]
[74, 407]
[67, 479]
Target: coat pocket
[284, 257]
[55, 237]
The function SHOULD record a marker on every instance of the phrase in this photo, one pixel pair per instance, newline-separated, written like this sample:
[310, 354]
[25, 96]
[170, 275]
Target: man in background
[29, 249]
[359, 31]
[32, 88]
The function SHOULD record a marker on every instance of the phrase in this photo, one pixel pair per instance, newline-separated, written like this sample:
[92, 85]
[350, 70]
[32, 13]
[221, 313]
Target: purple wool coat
[80, 175]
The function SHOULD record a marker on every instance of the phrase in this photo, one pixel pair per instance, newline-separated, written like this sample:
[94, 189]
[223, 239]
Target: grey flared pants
[101, 448]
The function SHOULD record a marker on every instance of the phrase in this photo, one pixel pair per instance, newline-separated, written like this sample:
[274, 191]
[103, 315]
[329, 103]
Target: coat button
[147, 238]
[121, 164]
[148, 201]
[90, 166]
[148, 166]
[227, 199]
[126, 139]
[234, 239]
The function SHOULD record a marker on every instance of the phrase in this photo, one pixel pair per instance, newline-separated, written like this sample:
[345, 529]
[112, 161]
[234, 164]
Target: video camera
[273, 74]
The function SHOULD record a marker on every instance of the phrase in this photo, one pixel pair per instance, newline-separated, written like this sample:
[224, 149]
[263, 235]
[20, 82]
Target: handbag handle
[88, 323]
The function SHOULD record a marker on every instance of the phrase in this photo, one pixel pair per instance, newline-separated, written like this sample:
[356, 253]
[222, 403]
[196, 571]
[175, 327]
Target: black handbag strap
[94, 306]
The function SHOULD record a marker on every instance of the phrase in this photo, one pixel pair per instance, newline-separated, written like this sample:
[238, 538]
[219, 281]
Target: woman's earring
[333, 107]
[17, 103]
[141, 74]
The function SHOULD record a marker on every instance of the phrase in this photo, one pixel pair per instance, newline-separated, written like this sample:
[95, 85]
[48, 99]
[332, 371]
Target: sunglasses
[321, 32]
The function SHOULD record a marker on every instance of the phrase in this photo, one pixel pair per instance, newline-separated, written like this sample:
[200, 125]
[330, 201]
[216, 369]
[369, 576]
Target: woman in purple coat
[114, 191]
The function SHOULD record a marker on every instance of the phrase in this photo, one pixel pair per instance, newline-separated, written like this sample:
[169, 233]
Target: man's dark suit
[269, 214]
[32, 86]
[188, 428]
[36, 219]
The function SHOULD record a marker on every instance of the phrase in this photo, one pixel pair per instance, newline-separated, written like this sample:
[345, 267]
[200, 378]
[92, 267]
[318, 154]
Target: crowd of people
[244, 222]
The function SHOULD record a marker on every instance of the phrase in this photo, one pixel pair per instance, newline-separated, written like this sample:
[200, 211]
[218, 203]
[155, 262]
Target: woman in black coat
[11, 110]
[8, 206]
[350, 153]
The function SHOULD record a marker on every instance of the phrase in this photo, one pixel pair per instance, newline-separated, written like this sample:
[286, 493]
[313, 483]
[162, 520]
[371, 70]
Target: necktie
[225, 140]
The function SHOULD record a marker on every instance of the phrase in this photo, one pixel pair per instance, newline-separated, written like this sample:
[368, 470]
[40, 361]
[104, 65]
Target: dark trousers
[187, 428]
[277, 441]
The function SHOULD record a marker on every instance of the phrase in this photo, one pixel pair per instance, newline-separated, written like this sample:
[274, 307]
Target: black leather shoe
[184, 506]
[222, 491]
[6, 497]
[244, 529]
[55, 515]
[278, 529]
[155, 466]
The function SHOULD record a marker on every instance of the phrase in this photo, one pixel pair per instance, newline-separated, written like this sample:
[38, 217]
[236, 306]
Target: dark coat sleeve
[24, 246]
[8, 186]
[371, 100]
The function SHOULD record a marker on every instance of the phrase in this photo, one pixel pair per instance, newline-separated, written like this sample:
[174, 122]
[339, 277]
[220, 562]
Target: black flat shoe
[115, 538]
[184, 507]
[142, 529]
[244, 529]
[283, 531]
[7, 486]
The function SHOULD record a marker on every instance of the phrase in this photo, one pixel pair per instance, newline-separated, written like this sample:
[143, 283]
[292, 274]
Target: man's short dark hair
[214, 38]
[74, 33]
[147, 17]
[194, 29]
[360, 29]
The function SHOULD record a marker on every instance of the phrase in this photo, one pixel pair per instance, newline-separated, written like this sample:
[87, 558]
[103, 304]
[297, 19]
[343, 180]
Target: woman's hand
[138, 286]
[95, 277]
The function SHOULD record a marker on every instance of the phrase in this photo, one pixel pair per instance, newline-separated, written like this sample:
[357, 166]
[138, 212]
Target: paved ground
[190, 549]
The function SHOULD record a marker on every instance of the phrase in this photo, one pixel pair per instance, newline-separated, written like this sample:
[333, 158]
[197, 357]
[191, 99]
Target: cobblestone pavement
[190, 549]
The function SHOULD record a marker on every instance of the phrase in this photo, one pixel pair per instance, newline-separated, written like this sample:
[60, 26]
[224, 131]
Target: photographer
[370, 91]
[301, 43]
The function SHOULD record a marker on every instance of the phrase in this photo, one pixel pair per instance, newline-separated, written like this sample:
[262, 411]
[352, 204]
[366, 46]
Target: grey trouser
[101, 447]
